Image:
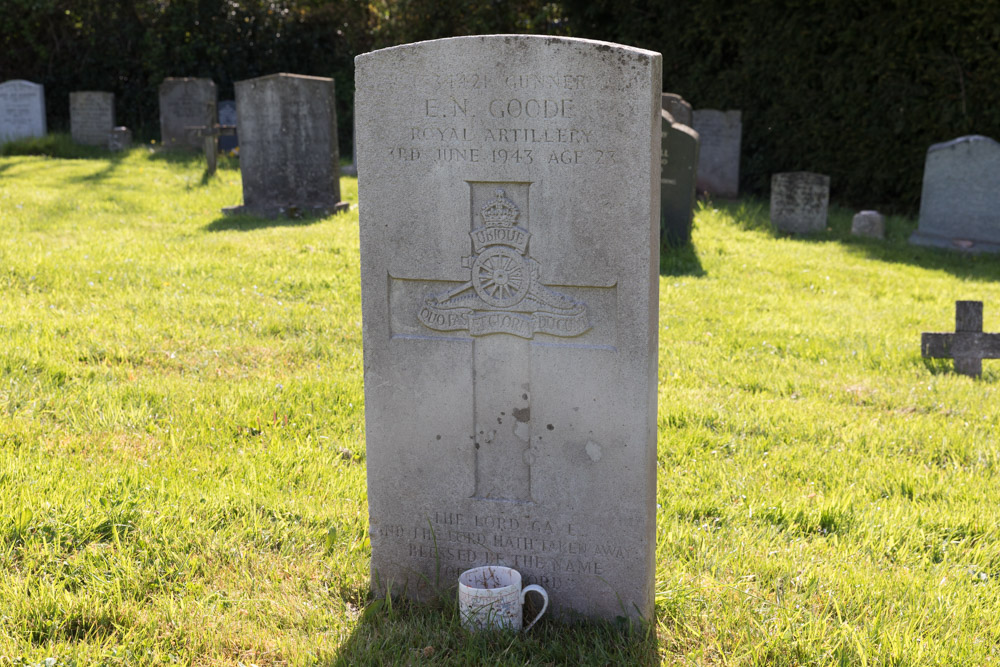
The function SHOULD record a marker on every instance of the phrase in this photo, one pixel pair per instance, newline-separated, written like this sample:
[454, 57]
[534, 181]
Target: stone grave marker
[185, 103]
[960, 200]
[211, 136]
[288, 146]
[91, 117]
[120, 138]
[719, 159]
[678, 172]
[509, 270]
[677, 107]
[22, 110]
[227, 118]
[968, 346]
[869, 224]
[799, 201]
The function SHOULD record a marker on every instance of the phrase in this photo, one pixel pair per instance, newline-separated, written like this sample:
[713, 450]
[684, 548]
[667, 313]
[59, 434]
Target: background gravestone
[799, 201]
[91, 117]
[678, 172]
[719, 159]
[227, 116]
[960, 201]
[508, 207]
[22, 110]
[870, 224]
[288, 146]
[185, 103]
[678, 108]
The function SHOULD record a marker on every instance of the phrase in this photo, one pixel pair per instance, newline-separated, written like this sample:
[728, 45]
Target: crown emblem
[499, 211]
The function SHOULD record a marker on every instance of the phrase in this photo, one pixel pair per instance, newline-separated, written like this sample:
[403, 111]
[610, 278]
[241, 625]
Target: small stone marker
[509, 273]
[210, 137]
[678, 173]
[677, 107]
[799, 201]
[22, 110]
[719, 159]
[288, 146]
[120, 139]
[227, 118]
[870, 224]
[960, 201]
[91, 117]
[968, 346]
[185, 103]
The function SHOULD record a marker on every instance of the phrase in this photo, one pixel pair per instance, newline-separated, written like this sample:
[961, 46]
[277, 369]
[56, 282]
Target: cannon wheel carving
[501, 277]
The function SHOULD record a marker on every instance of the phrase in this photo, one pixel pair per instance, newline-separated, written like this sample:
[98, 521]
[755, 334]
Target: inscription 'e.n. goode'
[503, 293]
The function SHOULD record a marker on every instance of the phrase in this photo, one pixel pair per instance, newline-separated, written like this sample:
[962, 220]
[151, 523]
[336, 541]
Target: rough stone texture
[968, 346]
[120, 139]
[227, 116]
[288, 146]
[677, 107]
[960, 201]
[185, 103]
[22, 110]
[508, 212]
[719, 158]
[799, 201]
[91, 117]
[678, 171]
[868, 223]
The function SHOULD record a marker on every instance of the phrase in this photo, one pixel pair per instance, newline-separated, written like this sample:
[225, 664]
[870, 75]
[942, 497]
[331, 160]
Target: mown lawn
[182, 468]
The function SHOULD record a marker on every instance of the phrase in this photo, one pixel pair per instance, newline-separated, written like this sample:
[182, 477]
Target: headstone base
[286, 211]
[965, 245]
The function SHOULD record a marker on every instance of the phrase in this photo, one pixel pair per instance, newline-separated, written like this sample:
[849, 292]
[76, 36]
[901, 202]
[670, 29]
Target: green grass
[182, 469]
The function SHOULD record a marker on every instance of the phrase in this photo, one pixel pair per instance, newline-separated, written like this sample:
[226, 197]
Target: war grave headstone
[508, 207]
[720, 133]
[678, 172]
[227, 118]
[799, 201]
[870, 224]
[120, 138]
[960, 200]
[677, 107]
[288, 146]
[185, 103]
[91, 117]
[968, 346]
[22, 110]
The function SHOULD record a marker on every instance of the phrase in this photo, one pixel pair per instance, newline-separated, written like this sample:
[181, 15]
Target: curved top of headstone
[288, 75]
[513, 40]
[21, 82]
[960, 140]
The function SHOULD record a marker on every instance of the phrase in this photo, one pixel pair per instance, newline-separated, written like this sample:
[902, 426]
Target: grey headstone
[870, 224]
[185, 103]
[509, 271]
[288, 146]
[678, 172]
[960, 201]
[91, 117]
[22, 110]
[677, 107]
[227, 116]
[120, 139]
[719, 161]
[799, 201]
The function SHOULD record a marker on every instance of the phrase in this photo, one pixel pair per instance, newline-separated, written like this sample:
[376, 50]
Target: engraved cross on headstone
[968, 346]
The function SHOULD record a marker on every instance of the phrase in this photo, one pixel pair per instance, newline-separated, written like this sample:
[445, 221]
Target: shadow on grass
[246, 223]
[680, 261]
[61, 146]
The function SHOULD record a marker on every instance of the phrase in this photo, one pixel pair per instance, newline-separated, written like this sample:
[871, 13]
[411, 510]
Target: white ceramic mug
[491, 597]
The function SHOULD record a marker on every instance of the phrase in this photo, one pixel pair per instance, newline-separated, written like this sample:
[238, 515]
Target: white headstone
[91, 117]
[509, 201]
[22, 110]
[868, 223]
[799, 201]
[720, 133]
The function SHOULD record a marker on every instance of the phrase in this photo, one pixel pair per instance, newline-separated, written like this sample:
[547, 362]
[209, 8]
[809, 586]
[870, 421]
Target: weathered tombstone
[678, 171]
[968, 346]
[960, 201]
[288, 146]
[227, 118]
[120, 138]
[185, 103]
[677, 107]
[799, 201]
[508, 213]
[719, 159]
[91, 117]
[870, 224]
[22, 110]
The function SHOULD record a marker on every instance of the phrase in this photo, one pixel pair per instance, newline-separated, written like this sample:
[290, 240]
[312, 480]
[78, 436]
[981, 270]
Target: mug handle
[545, 601]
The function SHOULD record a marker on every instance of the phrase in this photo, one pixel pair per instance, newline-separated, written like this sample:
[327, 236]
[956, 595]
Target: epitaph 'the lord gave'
[509, 203]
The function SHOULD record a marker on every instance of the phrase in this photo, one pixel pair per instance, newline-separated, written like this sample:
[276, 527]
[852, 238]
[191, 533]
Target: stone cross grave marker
[289, 158]
[960, 200]
[677, 107]
[185, 103]
[719, 158]
[678, 172]
[91, 117]
[508, 207]
[22, 110]
[210, 137]
[227, 118]
[799, 201]
[968, 346]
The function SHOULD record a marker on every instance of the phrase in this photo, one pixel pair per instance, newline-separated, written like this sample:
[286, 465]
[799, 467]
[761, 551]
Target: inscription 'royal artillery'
[503, 293]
